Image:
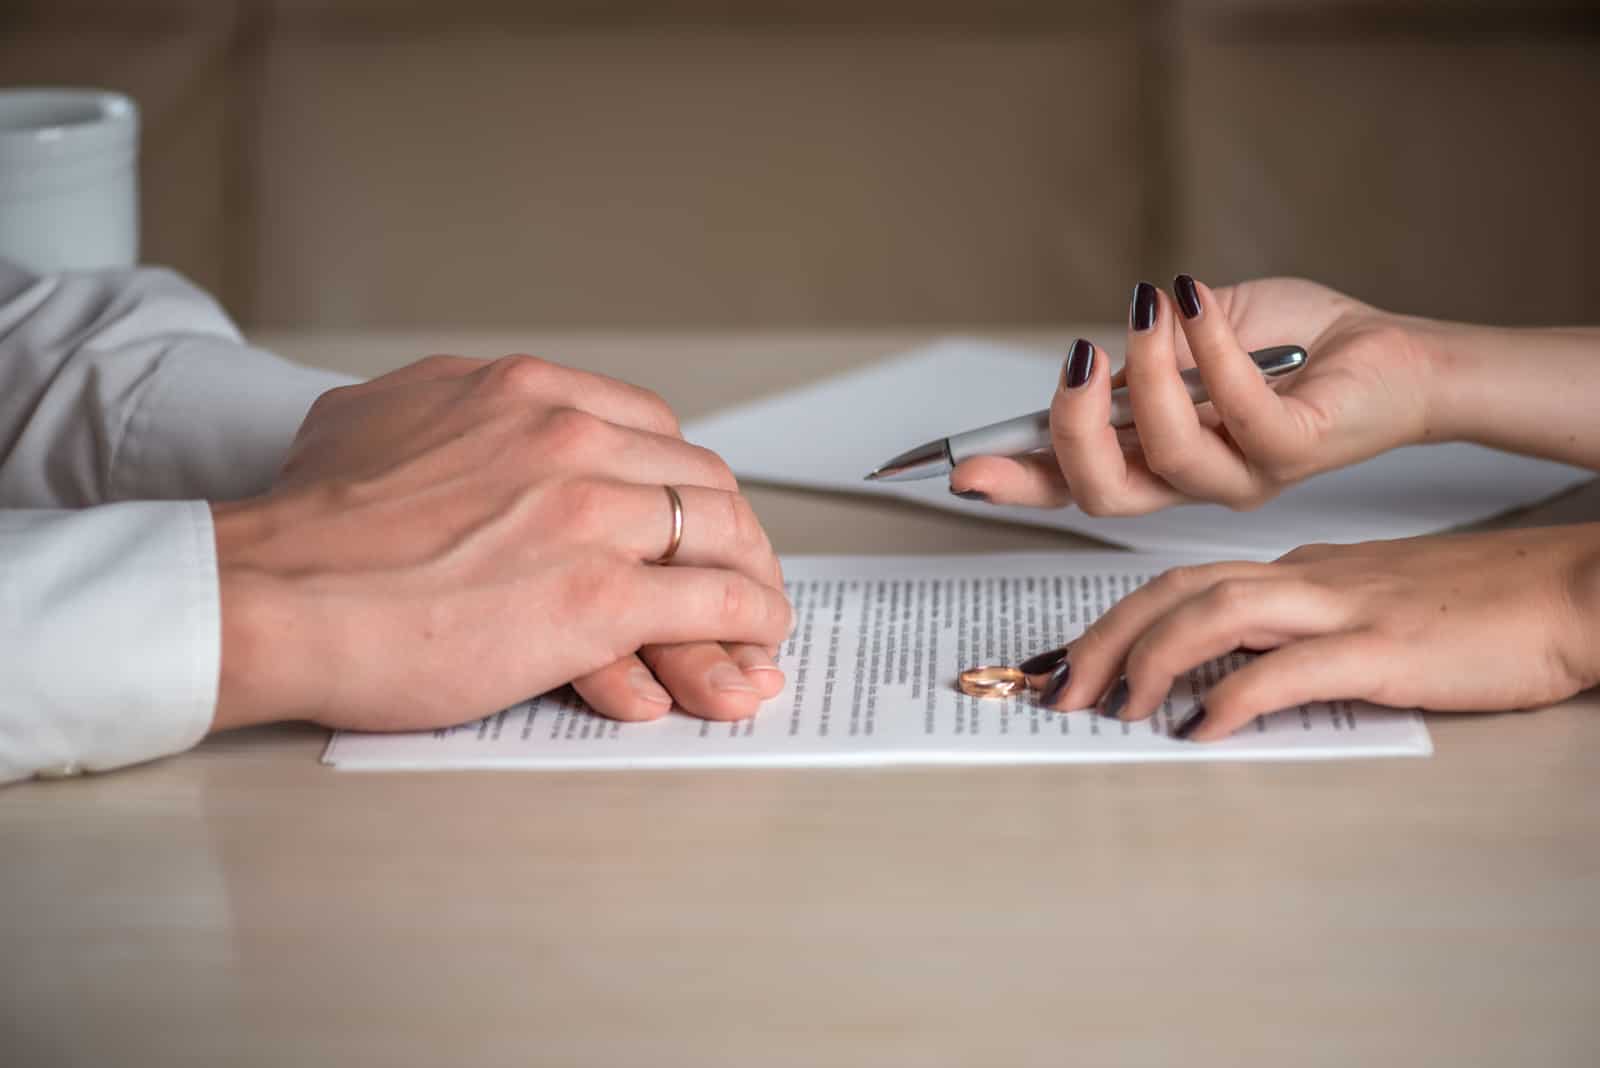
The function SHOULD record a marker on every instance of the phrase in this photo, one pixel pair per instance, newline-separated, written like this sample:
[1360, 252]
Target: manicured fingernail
[1190, 723]
[1142, 315]
[1188, 296]
[1116, 700]
[970, 495]
[729, 679]
[1079, 366]
[646, 688]
[1044, 663]
[1057, 684]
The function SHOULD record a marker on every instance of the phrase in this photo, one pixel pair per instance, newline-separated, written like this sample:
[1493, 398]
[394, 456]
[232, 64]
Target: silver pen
[1030, 433]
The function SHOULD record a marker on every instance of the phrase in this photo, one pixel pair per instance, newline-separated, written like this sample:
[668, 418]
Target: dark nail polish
[1057, 684]
[1188, 296]
[1143, 313]
[1079, 366]
[1116, 700]
[1190, 722]
[1044, 663]
[970, 495]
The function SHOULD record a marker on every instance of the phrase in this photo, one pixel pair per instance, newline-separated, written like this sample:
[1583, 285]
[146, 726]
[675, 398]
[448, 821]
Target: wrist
[261, 672]
[1426, 347]
[1581, 652]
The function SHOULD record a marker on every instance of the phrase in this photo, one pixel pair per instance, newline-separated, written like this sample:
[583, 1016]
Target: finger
[1335, 667]
[522, 379]
[720, 530]
[625, 690]
[1097, 655]
[708, 681]
[1097, 474]
[1033, 480]
[1174, 444]
[1256, 417]
[672, 605]
[1253, 613]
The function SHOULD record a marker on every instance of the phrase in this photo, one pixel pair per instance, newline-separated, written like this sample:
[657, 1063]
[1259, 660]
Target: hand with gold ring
[458, 535]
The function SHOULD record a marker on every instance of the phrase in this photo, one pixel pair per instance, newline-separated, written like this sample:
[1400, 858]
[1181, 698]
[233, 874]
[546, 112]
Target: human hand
[1365, 389]
[1468, 623]
[461, 534]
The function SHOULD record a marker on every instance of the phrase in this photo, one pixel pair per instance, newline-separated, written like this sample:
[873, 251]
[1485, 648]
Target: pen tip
[873, 475]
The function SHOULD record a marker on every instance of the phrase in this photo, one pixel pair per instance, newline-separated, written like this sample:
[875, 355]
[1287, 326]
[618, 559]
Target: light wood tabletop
[243, 905]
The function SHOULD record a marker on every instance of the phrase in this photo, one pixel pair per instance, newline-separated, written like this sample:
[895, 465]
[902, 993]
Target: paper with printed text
[871, 670]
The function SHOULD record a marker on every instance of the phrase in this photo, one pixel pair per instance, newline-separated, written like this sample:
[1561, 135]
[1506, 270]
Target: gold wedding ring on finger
[677, 527]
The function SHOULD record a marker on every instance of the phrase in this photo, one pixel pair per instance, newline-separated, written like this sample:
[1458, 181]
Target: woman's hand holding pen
[1488, 621]
[1366, 389]
[1502, 620]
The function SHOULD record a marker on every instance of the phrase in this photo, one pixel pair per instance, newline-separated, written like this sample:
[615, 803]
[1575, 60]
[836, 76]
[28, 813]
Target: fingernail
[729, 679]
[752, 660]
[1079, 366]
[1190, 722]
[1116, 700]
[970, 495]
[646, 688]
[1143, 313]
[1044, 663]
[1188, 296]
[1057, 685]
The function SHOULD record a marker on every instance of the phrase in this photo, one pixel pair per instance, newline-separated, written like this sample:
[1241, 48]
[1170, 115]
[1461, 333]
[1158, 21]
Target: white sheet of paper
[871, 672]
[830, 434]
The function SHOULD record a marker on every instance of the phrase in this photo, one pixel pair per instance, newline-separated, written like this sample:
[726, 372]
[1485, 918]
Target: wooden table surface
[243, 905]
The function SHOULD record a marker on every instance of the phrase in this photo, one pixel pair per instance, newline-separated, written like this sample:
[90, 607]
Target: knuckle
[1185, 578]
[718, 474]
[1230, 596]
[1097, 501]
[520, 375]
[1168, 459]
[660, 413]
[743, 525]
[572, 430]
[1147, 665]
[735, 600]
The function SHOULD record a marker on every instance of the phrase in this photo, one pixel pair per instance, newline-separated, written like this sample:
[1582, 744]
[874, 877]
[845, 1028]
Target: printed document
[871, 673]
[829, 435]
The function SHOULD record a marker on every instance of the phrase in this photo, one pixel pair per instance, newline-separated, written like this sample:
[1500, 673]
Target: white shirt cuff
[110, 626]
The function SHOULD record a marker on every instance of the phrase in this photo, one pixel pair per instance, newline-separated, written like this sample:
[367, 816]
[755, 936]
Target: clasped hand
[456, 536]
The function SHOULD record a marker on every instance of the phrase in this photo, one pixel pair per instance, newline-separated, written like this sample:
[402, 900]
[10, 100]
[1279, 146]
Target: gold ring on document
[677, 527]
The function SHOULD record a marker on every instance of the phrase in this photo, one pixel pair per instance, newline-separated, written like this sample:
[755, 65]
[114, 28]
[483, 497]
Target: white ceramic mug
[69, 184]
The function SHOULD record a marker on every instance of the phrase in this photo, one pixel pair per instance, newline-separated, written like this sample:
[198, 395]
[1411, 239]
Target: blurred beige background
[395, 163]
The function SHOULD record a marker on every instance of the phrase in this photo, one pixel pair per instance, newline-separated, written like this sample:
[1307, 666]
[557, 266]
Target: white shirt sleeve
[125, 386]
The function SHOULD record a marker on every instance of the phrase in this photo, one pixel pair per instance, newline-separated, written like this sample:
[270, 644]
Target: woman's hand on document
[458, 535]
[1365, 389]
[1467, 623]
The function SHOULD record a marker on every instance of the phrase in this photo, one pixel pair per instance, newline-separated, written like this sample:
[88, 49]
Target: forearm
[1532, 391]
